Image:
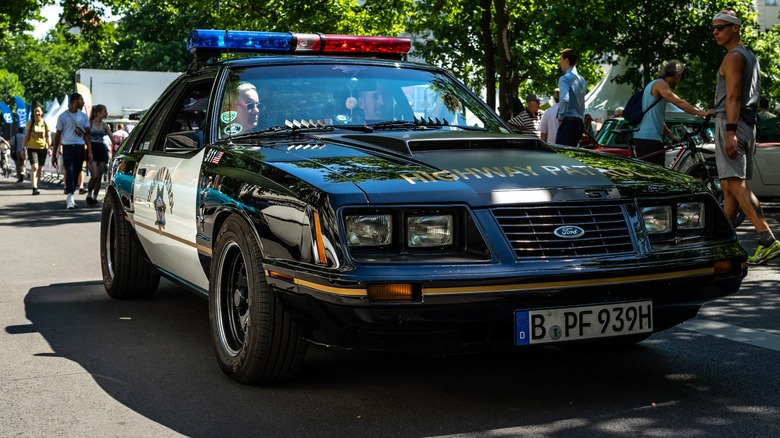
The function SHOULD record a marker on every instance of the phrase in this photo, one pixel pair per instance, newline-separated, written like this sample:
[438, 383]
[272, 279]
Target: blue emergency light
[247, 41]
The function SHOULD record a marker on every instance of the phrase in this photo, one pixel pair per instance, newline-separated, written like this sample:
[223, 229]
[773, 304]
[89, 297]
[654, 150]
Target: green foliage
[10, 85]
[46, 68]
[16, 15]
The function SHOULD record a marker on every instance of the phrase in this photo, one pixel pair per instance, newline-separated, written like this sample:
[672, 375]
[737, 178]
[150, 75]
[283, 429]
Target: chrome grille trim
[529, 230]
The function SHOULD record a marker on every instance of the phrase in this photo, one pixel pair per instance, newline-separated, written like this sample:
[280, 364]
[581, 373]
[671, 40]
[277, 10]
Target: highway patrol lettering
[496, 172]
[468, 173]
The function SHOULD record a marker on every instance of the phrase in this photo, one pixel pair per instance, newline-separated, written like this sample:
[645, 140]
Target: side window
[147, 139]
[186, 114]
[190, 109]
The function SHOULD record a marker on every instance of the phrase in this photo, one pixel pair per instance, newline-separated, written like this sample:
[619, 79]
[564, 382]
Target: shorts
[99, 152]
[643, 147]
[37, 156]
[742, 166]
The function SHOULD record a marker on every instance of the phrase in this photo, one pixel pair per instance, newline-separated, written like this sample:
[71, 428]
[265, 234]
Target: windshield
[259, 98]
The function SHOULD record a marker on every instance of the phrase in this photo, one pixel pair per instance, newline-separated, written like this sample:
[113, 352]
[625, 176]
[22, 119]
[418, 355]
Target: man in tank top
[736, 100]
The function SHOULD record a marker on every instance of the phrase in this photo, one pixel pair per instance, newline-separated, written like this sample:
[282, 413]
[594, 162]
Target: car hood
[480, 169]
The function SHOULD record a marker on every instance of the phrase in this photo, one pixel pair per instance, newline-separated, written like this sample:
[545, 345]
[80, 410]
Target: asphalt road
[75, 363]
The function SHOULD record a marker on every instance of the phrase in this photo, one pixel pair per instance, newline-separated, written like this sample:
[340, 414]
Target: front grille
[529, 230]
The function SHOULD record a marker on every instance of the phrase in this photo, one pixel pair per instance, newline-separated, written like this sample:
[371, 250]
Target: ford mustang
[322, 189]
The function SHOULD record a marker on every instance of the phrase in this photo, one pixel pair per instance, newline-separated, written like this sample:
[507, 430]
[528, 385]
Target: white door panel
[165, 201]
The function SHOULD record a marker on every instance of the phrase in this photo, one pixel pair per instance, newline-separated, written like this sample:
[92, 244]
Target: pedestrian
[590, 126]
[97, 165]
[618, 113]
[548, 126]
[736, 96]
[38, 141]
[19, 154]
[648, 140]
[72, 141]
[571, 110]
[527, 121]
[763, 109]
[119, 136]
[5, 157]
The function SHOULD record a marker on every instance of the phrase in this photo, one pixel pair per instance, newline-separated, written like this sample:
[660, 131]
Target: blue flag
[7, 115]
[21, 111]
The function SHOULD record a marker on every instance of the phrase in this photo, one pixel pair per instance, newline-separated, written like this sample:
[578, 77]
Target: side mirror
[184, 142]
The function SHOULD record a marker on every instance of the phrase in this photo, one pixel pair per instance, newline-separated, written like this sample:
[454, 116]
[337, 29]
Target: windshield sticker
[233, 129]
[162, 185]
[228, 116]
[350, 103]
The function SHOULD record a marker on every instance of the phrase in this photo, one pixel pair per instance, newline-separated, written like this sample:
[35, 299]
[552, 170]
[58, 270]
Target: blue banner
[7, 115]
[21, 111]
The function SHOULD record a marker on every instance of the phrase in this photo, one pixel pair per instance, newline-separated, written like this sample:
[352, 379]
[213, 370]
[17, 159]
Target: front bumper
[479, 315]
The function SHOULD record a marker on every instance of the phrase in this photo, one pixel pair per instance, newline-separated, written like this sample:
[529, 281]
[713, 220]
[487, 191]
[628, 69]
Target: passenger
[372, 101]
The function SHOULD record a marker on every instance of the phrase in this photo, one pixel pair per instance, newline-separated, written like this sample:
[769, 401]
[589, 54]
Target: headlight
[690, 216]
[429, 230]
[658, 219]
[369, 230]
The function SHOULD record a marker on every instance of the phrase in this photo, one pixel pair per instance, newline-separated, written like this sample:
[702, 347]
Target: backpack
[633, 111]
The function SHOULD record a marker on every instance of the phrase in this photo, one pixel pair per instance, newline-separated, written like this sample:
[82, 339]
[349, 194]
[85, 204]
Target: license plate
[541, 326]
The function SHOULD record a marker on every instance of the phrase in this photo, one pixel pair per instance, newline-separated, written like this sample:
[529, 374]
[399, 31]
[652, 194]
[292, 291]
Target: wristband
[731, 127]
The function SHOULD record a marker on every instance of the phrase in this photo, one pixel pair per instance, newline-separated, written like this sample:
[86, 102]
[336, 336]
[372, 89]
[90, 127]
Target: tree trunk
[507, 76]
[490, 53]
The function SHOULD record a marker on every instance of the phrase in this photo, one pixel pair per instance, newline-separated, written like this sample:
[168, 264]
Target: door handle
[142, 171]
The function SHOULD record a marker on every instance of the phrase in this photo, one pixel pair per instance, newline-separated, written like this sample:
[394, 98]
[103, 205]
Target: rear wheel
[126, 270]
[255, 339]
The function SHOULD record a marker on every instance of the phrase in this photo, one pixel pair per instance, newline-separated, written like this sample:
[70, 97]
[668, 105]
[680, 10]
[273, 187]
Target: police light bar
[210, 42]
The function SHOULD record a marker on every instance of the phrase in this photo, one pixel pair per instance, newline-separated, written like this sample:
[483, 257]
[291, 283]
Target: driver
[247, 106]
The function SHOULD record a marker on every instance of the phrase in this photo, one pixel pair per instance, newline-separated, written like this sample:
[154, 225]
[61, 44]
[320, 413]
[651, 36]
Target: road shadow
[155, 357]
[20, 208]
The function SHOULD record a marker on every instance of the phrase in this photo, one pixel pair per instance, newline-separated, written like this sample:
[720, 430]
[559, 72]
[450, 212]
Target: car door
[166, 183]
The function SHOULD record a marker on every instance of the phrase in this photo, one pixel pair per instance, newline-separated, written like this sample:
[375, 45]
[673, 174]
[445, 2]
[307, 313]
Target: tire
[127, 272]
[708, 173]
[255, 339]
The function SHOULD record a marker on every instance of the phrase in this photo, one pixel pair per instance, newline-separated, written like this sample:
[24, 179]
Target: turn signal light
[390, 292]
[723, 267]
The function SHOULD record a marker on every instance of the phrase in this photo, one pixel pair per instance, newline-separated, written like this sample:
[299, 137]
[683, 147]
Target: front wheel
[255, 339]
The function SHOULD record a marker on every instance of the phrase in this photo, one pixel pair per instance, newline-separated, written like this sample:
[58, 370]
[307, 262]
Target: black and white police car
[328, 192]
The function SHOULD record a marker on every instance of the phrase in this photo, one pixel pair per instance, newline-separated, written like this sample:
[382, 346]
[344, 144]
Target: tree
[46, 68]
[15, 16]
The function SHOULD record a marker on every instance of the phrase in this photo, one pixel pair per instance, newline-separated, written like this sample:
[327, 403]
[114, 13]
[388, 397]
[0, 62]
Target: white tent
[51, 117]
[607, 95]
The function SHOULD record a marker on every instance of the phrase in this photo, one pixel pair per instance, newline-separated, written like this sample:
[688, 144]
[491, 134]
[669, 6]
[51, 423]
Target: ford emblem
[569, 232]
